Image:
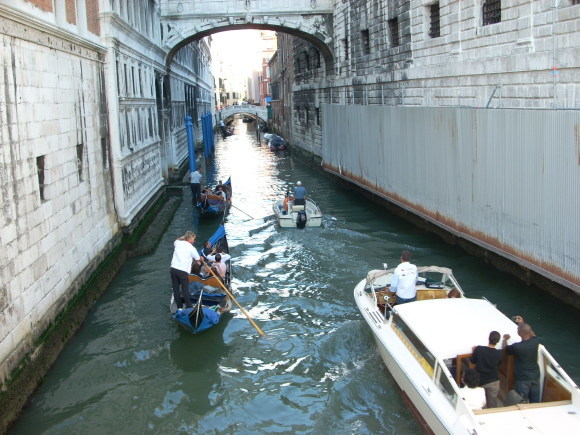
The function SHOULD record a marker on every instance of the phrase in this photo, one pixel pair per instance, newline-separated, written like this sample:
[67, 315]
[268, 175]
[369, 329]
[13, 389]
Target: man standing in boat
[195, 182]
[183, 255]
[299, 194]
[526, 363]
[405, 279]
[487, 360]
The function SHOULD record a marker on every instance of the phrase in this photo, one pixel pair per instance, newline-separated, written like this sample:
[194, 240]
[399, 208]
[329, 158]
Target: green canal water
[131, 370]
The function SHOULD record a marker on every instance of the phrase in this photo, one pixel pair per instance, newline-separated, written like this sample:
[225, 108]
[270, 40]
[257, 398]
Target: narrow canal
[132, 370]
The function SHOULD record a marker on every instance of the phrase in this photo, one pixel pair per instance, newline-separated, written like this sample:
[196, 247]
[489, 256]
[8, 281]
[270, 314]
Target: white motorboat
[422, 343]
[297, 216]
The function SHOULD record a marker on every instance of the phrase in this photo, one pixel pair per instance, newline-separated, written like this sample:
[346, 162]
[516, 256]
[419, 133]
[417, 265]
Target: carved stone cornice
[25, 27]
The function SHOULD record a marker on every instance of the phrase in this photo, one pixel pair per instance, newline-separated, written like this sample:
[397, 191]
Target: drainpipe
[554, 52]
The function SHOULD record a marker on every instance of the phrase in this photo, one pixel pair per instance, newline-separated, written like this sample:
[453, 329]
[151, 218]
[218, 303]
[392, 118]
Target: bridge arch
[177, 34]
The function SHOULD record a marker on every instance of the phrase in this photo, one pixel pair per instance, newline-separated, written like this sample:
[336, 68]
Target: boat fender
[301, 219]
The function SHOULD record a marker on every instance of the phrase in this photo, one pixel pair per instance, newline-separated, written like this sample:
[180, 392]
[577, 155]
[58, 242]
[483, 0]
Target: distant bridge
[249, 109]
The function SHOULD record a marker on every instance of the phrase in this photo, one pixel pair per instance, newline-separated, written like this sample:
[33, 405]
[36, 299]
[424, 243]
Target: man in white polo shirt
[183, 255]
[405, 279]
[195, 182]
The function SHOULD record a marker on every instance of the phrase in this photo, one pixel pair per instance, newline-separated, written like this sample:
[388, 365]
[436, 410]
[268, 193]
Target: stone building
[461, 113]
[92, 127]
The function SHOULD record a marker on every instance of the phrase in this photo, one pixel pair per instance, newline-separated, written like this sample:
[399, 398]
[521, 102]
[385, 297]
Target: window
[415, 346]
[317, 113]
[345, 48]
[445, 385]
[394, 32]
[105, 152]
[491, 12]
[575, 2]
[434, 29]
[307, 117]
[306, 61]
[40, 172]
[366, 43]
[80, 152]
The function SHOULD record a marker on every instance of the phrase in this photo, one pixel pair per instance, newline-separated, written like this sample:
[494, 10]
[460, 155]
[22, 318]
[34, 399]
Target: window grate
[435, 30]
[491, 12]
[366, 42]
[394, 31]
[40, 172]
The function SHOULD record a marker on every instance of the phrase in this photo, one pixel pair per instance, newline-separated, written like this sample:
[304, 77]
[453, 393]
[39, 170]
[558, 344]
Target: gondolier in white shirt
[195, 182]
[183, 255]
[405, 279]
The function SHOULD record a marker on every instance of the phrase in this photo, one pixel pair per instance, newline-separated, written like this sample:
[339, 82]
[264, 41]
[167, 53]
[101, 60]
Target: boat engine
[301, 219]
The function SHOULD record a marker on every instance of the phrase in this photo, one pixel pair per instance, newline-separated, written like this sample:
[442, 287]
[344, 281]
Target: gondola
[210, 301]
[212, 205]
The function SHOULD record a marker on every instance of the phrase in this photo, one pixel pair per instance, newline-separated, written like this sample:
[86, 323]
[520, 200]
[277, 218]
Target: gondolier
[195, 182]
[183, 255]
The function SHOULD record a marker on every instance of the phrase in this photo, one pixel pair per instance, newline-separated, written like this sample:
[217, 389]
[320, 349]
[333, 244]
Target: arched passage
[176, 38]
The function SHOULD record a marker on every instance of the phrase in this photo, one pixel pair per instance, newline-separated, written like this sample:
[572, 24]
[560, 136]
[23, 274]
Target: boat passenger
[405, 279]
[527, 371]
[287, 199]
[221, 193]
[207, 249]
[219, 264]
[183, 255]
[300, 194]
[487, 360]
[473, 395]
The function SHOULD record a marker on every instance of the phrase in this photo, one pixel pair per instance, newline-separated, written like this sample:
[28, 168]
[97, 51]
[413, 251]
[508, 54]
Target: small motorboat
[427, 345]
[275, 142]
[209, 298]
[212, 203]
[297, 216]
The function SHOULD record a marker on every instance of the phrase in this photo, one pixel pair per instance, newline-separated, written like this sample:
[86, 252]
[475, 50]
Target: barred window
[345, 46]
[40, 173]
[394, 31]
[366, 42]
[575, 2]
[435, 29]
[491, 12]
[80, 159]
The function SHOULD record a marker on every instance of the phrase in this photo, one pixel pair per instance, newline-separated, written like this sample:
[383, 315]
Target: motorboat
[275, 142]
[297, 216]
[427, 344]
[207, 293]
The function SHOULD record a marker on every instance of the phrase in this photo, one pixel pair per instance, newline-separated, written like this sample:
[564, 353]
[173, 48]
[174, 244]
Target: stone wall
[58, 217]
[529, 59]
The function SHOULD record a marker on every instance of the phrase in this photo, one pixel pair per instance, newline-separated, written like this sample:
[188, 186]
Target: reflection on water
[317, 371]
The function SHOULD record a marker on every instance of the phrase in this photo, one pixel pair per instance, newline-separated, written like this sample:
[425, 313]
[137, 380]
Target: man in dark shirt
[487, 359]
[526, 363]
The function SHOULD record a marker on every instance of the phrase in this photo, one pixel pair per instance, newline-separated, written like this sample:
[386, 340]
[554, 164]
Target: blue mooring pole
[190, 143]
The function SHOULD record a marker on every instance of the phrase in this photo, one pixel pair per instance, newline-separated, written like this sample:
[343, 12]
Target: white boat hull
[289, 220]
[419, 374]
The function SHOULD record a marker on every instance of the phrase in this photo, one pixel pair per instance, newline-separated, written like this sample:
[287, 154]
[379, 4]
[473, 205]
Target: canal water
[130, 369]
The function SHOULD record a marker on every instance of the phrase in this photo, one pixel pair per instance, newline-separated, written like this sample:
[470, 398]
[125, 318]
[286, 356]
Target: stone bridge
[249, 109]
[185, 20]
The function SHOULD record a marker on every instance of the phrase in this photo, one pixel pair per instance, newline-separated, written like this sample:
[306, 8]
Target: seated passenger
[473, 395]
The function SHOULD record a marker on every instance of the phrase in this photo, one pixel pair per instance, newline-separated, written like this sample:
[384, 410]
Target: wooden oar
[221, 199]
[234, 299]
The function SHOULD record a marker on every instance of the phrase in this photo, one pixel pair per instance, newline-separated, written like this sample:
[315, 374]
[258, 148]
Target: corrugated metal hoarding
[506, 179]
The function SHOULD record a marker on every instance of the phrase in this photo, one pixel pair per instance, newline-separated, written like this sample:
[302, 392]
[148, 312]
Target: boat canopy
[377, 273]
[451, 327]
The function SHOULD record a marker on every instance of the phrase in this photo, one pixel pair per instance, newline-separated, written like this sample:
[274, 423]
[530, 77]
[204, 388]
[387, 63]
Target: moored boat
[209, 298]
[275, 142]
[297, 216]
[427, 344]
[212, 203]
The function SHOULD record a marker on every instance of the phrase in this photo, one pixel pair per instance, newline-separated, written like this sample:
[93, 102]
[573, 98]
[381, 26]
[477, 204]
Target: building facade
[92, 128]
[487, 89]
